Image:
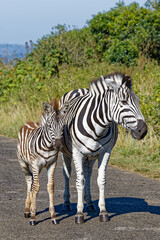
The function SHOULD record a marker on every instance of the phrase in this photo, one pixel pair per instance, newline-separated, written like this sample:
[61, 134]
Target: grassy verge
[142, 157]
[138, 156]
[13, 117]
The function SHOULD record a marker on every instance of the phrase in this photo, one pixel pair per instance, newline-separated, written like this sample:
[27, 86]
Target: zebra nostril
[141, 130]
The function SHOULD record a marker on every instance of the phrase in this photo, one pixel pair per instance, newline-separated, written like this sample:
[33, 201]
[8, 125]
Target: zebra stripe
[38, 147]
[72, 95]
[91, 132]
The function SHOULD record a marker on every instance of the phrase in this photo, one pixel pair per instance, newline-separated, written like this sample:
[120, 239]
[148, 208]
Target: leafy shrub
[122, 51]
[64, 46]
[151, 107]
[22, 82]
[137, 25]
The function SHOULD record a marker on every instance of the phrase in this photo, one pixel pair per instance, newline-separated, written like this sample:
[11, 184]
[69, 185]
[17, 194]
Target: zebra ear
[47, 108]
[64, 108]
[112, 84]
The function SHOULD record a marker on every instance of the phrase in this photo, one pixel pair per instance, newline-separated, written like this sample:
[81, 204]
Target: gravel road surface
[133, 204]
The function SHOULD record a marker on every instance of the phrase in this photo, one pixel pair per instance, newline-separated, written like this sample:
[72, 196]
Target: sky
[22, 21]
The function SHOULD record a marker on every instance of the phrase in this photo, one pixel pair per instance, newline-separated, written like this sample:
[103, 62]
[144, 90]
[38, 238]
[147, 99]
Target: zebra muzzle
[58, 144]
[141, 130]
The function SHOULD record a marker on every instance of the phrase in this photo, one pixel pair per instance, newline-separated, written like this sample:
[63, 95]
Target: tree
[152, 4]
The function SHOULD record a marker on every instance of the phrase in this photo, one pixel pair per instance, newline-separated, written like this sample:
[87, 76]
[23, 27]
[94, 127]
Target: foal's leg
[66, 172]
[28, 176]
[88, 166]
[101, 181]
[34, 192]
[50, 187]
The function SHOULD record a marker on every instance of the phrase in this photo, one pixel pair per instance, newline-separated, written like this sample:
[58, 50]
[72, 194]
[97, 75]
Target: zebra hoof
[91, 208]
[79, 219]
[66, 208]
[55, 221]
[27, 215]
[103, 217]
[32, 222]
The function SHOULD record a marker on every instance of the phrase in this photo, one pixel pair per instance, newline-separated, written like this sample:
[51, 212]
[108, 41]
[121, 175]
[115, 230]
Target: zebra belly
[41, 159]
[92, 148]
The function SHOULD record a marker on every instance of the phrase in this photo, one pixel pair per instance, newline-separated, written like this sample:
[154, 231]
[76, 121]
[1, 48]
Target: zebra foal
[38, 147]
[91, 132]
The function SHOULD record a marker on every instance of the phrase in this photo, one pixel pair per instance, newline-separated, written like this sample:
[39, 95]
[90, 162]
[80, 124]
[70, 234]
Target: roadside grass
[142, 156]
[13, 117]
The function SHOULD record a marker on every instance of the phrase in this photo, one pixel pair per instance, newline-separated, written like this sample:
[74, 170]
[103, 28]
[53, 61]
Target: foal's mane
[55, 104]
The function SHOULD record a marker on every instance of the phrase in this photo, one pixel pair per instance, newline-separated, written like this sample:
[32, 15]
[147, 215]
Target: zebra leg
[28, 176]
[80, 181]
[101, 181]
[66, 172]
[50, 188]
[88, 166]
[34, 192]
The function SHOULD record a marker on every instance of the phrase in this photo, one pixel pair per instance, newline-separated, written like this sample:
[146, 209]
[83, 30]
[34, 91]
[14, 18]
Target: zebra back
[69, 96]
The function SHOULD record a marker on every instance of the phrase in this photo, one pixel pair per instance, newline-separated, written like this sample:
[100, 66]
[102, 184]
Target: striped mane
[118, 77]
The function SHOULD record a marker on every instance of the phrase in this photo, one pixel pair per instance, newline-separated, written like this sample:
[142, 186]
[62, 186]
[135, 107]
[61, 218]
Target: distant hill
[10, 51]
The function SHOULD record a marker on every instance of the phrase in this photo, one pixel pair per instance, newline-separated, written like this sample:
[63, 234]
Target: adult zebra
[91, 132]
[38, 147]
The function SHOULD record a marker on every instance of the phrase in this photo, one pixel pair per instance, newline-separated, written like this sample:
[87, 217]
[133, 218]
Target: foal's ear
[65, 108]
[47, 107]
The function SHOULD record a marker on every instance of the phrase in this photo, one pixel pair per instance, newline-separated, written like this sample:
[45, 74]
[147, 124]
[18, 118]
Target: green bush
[137, 25]
[151, 107]
[64, 46]
[22, 82]
[122, 52]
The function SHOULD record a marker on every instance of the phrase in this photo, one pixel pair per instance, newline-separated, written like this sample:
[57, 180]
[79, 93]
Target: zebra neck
[92, 117]
[101, 115]
[101, 108]
[104, 99]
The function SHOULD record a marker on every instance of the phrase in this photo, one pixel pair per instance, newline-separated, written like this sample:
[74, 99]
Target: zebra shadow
[114, 206]
[126, 205]
[61, 215]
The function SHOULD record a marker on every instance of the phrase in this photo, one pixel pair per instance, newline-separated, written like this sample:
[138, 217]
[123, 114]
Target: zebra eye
[124, 102]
